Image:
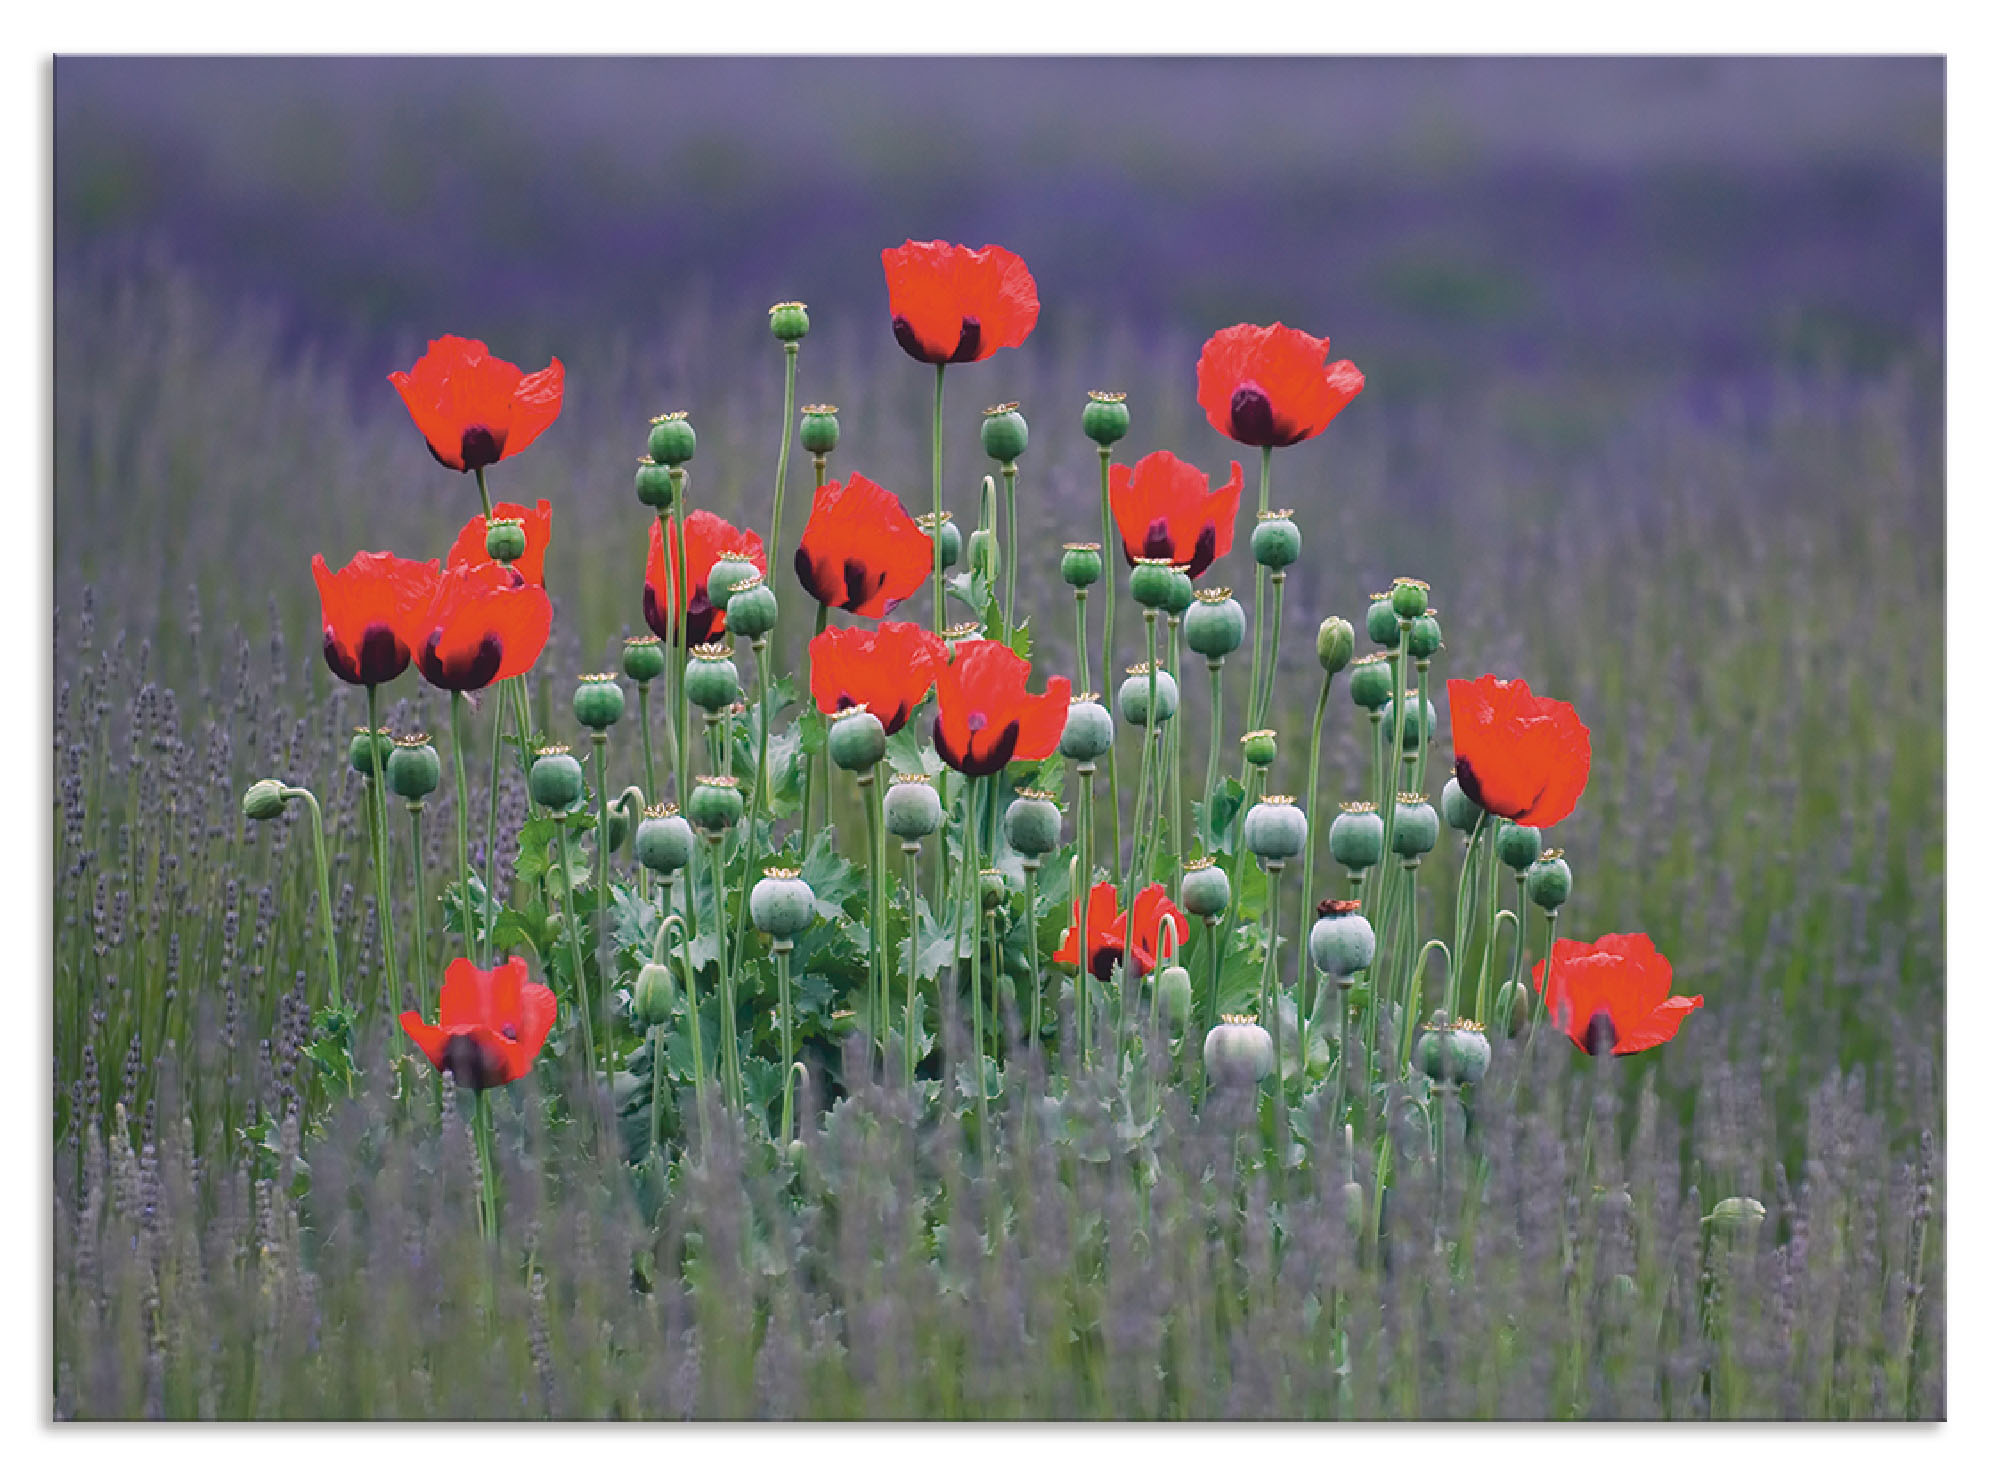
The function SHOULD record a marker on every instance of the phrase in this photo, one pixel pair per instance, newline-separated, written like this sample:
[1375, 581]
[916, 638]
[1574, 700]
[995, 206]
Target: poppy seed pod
[1459, 810]
[1180, 593]
[1034, 824]
[1370, 683]
[945, 531]
[1416, 829]
[1004, 434]
[506, 538]
[1458, 1054]
[1176, 991]
[363, 755]
[1736, 1213]
[1420, 723]
[665, 841]
[781, 904]
[729, 570]
[1237, 1051]
[789, 322]
[1215, 626]
[1152, 582]
[1382, 625]
[711, 682]
[414, 771]
[1426, 638]
[671, 440]
[1204, 888]
[1334, 645]
[1148, 689]
[1549, 881]
[819, 428]
[856, 741]
[1260, 748]
[911, 808]
[1275, 828]
[1082, 564]
[1105, 417]
[264, 800]
[654, 484]
[716, 803]
[1409, 598]
[645, 658]
[599, 701]
[653, 994]
[556, 779]
[1087, 731]
[752, 610]
[1355, 838]
[1518, 846]
[1510, 1009]
[992, 888]
[1342, 941]
[1274, 542]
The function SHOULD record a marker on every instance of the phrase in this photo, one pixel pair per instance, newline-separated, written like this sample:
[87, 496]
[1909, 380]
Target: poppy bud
[1034, 824]
[1215, 626]
[945, 532]
[1426, 638]
[1354, 1207]
[362, 755]
[789, 322]
[1518, 846]
[1275, 828]
[1409, 597]
[1152, 581]
[1082, 564]
[671, 440]
[716, 803]
[1004, 433]
[1356, 836]
[1204, 888]
[1735, 1213]
[665, 841]
[1260, 748]
[1459, 810]
[752, 610]
[264, 799]
[1335, 644]
[992, 889]
[1416, 829]
[1274, 543]
[1510, 1008]
[1147, 688]
[912, 808]
[506, 538]
[1105, 418]
[1176, 991]
[653, 994]
[1415, 735]
[1549, 881]
[556, 780]
[1087, 731]
[712, 683]
[781, 904]
[599, 701]
[729, 570]
[983, 553]
[1383, 626]
[414, 770]
[1370, 683]
[819, 428]
[1237, 1051]
[856, 741]
[617, 827]
[645, 658]
[1342, 941]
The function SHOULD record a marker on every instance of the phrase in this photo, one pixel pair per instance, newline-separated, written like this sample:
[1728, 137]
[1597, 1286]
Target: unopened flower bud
[1335, 644]
[1082, 564]
[781, 904]
[1003, 433]
[671, 440]
[789, 322]
[856, 741]
[506, 539]
[982, 553]
[556, 779]
[264, 799]
[1034, 824]
[414, 770]
[1549, 881]
[992, 888]
[1275, 828]
[599, 701]
[819, 428]
[653, 994]
[1105, 418]
[1274, 542]
[1176, 992]
[1215, 626]
[1087, 731]
[1510, 1008]
[1735, 1213]
[911, 808]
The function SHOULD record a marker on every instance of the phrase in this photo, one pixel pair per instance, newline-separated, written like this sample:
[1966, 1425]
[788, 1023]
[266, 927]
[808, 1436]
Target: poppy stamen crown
[1239, 1019]
[1337, 907]
[631, 640]
[670, 415]
[1553, 853]
[1198, 863]
[1146, 668]
[742, 584]
[1083, 547]
[1157, 563]
[820, 410]
[1039, 794]
[719, 781]
[780, 307]
[739, 555]
[552, 750]
[662, 811]
[1419, 797]
[853, 709]
[1412, 692]
[1262, 732]
[1108, 396]
[1383, 595]
[930, 520]
[1372, 658]
[1211, 596]
[1279, 799]
[413, 739]
[1007, 409]
[912, 778]
[782, 873]
[1411, 583]
[962, 632]
[647, 461]
[1357, 806]
[497, 521]
[592, 678]
[379, 732]
[714, 651]
[1084, 697]
[1273, 514]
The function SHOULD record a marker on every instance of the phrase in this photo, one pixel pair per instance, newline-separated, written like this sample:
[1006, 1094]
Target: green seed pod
[1426, 638]
[1152, 581]
[1204, 888]
[856, 741]
[264, 799]
[1180, 593]
[1260, 748]
[1356, 836]
[1459, 810]
[1414, 735]
[819, 428]
[599, 701]
[556, 779]
[653, 994]
[506, 539]
[716, 804]
[363, 755]
[1416, 828]
[1275, 828]
[911, 808]
[1274, 542]
[671, 440]
[1428, 1054]
[1470, 1053]
[1215, 626]
[1510, 1010]
[781, 904]
[414, 770]
[645, 658]
[1004, 434]
[729, 570]
[789, 322]
[665, 841]
[1082, 564]
[1383, 626]
[1735, 1213]
[1518, 846]
[1549, 881]
[1370, 683]
[1087, 731]
[1147, 688]
[1409, 598]
[654, 484]
[1237, 1051]
[1034, 824]
[752, 610]
[1176, 990]
[992, 889]
[1105, 418]
[711, 682]
[945, 534]
[1342, 941]
[1334, 645]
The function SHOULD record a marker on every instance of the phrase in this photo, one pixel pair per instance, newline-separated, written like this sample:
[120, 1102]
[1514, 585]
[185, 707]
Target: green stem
[784, 450]
[1413, 991]
[968, 896]
[937, 505]
[1214, 744]
[1007, 472]
[1110, 625]
[1086, 774]
[601, 933]
[1174, 746]
[732, 1065]
[575, 929]
[1082, 641]
[678, 923]
[782, 947]
[1462, 913]
[878, 963]
[489, 1200]
[378, 790]
[678, 574]
[1312, 846]
[417, 879]
[1267, 989]
[758, 647]
[910, 849]
[1490, 919]
[646, 742]
[1250, 723]
[1031, 870]
[485, 501]
[462, 880]
[1277, 631]
[490, 910]
[334, 990]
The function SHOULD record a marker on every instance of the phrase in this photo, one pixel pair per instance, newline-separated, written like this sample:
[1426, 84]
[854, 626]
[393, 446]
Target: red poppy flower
[474, 409]
[1105, 926]
[1520, 756]
[1615, 994]
[862, 552]
[986, 717]
[490, 1027]
[371, 614]
[888, 670]
[708, 538]
[485, 624]
[1272, 386]
[1165, 509]
[471, 545]
[953, 305]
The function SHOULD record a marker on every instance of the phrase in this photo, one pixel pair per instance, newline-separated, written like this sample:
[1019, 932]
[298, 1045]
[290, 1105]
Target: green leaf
[1215, 819]
[909, 753]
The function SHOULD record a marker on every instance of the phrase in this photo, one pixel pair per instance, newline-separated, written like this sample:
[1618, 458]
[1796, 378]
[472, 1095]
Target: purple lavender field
[1655, 367]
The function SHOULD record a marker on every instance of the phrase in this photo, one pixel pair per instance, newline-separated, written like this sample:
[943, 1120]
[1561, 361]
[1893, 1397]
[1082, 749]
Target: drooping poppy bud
[264, 800]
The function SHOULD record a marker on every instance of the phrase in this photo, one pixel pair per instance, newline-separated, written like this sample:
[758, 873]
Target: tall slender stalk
[575, 930]
[968, 896]
[910, 849]
[732, 1065]
[464, 846]
[423, 938]
[334, 989]
[677, 922]
[378, 811]
[1277, 628]
[646, 744]
[1250, 722]
[482, 1132]
[489, 910]
[1110, 625]
[602, 931]
[1031, 867]
[1313, 842]
[784, 448]
[781, 949]
[937, 505]
[1013, 543]
[878, 963]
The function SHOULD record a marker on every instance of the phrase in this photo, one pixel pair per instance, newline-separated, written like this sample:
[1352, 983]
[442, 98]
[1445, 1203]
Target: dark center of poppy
[809, 576]
[1158, 544]
[1600, 1035]
[1104, 957]
[1204, 552]
[382, 656]
[861, 583]
[471, 1064]
[968, 342]
[478, 446]
[1461, 768]
[975, 722]
[465, 671]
